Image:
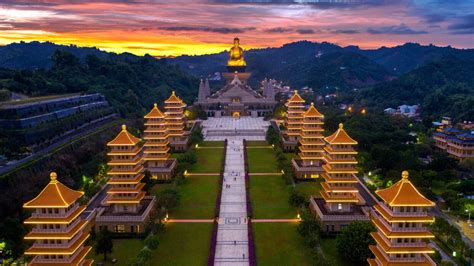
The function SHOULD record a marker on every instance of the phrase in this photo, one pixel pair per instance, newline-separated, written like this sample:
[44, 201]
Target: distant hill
[311, 59]
[444, 87]
[299, 64]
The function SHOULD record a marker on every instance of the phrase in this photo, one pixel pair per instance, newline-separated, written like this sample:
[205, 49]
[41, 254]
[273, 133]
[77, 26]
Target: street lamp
[469, 216]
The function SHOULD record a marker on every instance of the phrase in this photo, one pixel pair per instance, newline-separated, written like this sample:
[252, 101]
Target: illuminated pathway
[232, 234]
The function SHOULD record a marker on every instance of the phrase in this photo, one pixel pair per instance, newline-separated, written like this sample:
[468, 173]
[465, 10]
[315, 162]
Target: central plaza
[244, 127]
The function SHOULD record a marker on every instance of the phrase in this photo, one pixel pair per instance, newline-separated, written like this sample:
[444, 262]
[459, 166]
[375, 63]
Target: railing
[55, 215]
[397, 213]
[59, 230]
[128, 218]
[417, 244]
[335, 217]
[63, 245]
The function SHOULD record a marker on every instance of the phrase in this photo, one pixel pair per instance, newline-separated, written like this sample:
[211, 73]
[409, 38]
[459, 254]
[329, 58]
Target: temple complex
[176, 123]
[401, 221]
[58, 230]
[293, 122]
[311, 155]
[236, 98]
[341, 202]
[156, 148]
[126, 208]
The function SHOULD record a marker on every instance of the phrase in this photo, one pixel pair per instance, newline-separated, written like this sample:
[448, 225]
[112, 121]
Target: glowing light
[363, 111]
[196, 146]
[185, 172]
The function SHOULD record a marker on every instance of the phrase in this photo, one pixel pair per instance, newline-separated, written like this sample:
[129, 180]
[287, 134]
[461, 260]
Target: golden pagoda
[125, 173]
[156, 147]
[339, 191]
[312, 143]
[293, 122]
[58, 230]
[401, 221]
[175, 122]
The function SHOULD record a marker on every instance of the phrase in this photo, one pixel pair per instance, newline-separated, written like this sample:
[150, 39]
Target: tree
[354, 240]
[103, 243]
[310, 229]
[168, 198]
[152, 241]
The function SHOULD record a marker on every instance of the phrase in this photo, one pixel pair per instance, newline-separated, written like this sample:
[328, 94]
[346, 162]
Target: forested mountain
[442, 87]
[131, 84]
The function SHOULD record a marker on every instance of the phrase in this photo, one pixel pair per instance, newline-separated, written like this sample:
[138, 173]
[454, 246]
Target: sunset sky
[171, 28]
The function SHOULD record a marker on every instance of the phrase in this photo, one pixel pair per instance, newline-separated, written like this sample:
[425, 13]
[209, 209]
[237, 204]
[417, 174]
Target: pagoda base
[165, 172]
[131, 223]
[179, 145]
[333, 222]
[306, 172]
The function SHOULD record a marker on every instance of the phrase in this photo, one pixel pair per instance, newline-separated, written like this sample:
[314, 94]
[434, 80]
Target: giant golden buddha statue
[236, 55]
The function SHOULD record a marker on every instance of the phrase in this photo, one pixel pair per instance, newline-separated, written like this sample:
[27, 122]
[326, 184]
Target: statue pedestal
[233, 69]
[243, 76]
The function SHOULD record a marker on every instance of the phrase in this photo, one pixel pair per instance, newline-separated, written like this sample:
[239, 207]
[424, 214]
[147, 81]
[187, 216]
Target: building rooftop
[340, 137]
[54, 195]
[296, 98]
[173, 98]
[403, 193]
[155, 112]
[124, 138]
[313, 112]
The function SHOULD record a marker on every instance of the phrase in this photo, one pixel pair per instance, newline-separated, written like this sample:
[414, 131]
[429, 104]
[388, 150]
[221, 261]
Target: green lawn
[251, 143]
[262, 161]
[208, 161]
[328, 245]
[280, 244]
[197, 197]
[183, 244]
[269, 197]
[309, 188]
[124, 250]
[212, 144]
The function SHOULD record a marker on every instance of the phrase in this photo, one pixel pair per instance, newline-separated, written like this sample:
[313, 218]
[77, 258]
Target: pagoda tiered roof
[296, 98]
[54, 195]
[124, 138]
[340, 137]
[155, 112]
[312, 112]
[403, 193]
[173, 98]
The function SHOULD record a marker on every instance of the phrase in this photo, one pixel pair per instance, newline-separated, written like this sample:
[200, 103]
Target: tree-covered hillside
[443, 87]
[131, 84]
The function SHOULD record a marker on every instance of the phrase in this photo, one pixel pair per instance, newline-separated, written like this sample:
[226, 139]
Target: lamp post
[469, 216]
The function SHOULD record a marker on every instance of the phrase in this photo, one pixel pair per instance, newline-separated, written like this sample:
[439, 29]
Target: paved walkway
[190, 221]
[232, 231]
[275, 220]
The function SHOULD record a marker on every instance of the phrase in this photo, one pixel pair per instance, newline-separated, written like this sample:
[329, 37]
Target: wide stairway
[249, 128]
[232, 238]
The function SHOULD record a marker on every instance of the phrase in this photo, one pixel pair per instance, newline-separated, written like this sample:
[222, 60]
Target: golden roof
[312, 112]
[173, 98]
[54, 195]
[403, 193]
[124, 138]
[296, 98]
[340, 137]
[155, 112]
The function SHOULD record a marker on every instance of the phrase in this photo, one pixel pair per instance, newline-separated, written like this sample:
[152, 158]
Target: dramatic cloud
[401, 29]
[305, 31]
[464, 25]
[278, 30]
[208, 29]
[170, 28]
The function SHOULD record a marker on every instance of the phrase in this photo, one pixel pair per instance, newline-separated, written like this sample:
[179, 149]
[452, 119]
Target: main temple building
[236, 98]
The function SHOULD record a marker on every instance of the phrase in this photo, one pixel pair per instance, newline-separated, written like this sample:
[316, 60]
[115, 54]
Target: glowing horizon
[164, 29]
